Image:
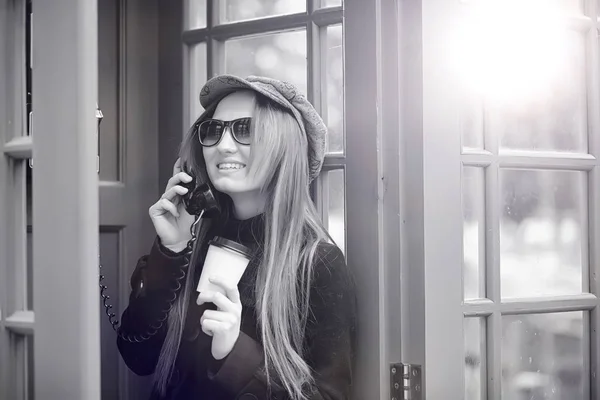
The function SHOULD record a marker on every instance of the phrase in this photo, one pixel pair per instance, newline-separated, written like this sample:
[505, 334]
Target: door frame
[374, 186]
[430, 319]
[442, 210]
[65, 197]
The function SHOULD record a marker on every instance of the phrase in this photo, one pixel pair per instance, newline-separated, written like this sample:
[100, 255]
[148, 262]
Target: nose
[227, 143]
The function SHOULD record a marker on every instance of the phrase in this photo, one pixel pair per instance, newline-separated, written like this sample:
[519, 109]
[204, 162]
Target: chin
[225, 186]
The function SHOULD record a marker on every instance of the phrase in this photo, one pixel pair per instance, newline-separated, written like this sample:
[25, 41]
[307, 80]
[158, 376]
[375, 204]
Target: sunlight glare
[512, 51]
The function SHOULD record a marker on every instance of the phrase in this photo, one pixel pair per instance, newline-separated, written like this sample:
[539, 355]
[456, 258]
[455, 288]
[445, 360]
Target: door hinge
[405, 382]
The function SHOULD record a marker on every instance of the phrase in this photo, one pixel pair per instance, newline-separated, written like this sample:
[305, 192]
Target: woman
[287, 330]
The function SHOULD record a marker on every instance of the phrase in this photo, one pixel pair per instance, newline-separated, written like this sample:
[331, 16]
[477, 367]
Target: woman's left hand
[224, 323]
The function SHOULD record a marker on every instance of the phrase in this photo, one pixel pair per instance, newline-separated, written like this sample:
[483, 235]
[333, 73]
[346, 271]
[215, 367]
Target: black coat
[329, 336]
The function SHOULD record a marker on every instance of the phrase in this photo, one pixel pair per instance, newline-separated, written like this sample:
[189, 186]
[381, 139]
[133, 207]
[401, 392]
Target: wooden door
[128, 99]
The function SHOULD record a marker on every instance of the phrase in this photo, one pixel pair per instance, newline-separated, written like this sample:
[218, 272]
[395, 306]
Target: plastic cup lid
[231, 245]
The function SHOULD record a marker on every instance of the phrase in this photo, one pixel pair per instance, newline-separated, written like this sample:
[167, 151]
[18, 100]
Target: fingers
[177, 166]
[231, 300]
[177, 178]
[217, 321]
[218, 299]
[231, 290]
[174, 191]
[163, 206]
[226, 318]
[210, 327]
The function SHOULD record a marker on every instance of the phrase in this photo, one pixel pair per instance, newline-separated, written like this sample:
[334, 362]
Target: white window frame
[443, 163]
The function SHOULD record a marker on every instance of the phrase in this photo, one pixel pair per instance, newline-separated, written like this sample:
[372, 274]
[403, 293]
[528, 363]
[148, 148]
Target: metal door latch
[405, 381]
[99, 117]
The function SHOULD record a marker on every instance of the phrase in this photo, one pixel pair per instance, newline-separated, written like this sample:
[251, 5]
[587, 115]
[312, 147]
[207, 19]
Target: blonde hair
[284, 279]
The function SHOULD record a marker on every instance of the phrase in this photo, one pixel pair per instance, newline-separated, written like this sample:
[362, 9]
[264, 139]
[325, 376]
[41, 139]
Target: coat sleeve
[153, 284]
[329, 340]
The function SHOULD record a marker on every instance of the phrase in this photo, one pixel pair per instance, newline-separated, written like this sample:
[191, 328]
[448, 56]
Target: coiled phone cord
[156, 326]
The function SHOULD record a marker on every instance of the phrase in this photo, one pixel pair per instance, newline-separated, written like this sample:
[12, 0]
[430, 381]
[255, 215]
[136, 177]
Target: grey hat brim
[286, 95]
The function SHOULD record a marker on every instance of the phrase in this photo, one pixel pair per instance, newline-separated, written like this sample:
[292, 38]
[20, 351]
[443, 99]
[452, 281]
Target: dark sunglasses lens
[241, 129]
[209, 132]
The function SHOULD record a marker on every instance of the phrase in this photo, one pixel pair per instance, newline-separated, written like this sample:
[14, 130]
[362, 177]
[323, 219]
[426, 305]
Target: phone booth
[137, 66]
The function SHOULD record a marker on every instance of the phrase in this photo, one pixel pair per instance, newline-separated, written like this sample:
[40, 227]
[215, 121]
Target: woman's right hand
[171, 221]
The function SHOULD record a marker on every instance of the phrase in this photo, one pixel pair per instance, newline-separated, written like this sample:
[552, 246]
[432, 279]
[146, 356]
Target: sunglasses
[211, 131]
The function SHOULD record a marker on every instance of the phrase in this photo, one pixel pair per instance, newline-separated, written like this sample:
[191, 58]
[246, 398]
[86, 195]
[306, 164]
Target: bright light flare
[512, 51]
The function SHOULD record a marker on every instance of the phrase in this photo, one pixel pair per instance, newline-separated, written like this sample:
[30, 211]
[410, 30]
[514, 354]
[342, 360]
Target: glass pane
[572, 6]
[281, 56]
[471, 120]
[335, 89]
[554, 117]
[562, 6]
[474, 345]
[544, 8]
[196, 17]
[331, 3]
[542, 356]
[473, 223]
[337, 224]
[239, 10]
[197, 79]
[540, 232]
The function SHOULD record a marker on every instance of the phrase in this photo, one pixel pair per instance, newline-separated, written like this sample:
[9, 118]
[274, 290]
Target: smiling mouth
[230, 167]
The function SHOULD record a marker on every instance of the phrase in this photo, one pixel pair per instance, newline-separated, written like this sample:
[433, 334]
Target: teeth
[230, 166]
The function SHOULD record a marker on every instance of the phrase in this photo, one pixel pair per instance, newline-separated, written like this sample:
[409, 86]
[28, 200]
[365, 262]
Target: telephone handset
[199, 201]
[200, 198]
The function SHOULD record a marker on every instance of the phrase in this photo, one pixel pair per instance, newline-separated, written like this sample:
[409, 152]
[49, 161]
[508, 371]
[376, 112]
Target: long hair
[285, 272]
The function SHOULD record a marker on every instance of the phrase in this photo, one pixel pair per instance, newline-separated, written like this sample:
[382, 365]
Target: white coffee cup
[226, 259]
